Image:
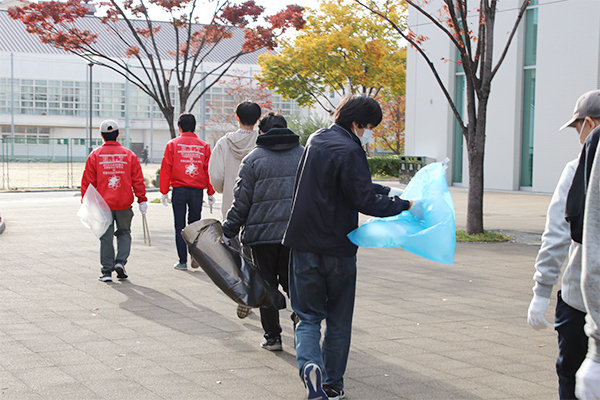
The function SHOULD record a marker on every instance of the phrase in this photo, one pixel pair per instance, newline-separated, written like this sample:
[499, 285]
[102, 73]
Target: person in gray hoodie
[557, 244]
[262, 204]
[230, 149]
[226, 158]
[588, 376]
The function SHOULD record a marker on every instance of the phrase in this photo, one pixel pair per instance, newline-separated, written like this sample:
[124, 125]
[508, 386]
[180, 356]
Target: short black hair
[111, 136]
[361, 109]
[270, 121]
[248, 112]
[187, 122]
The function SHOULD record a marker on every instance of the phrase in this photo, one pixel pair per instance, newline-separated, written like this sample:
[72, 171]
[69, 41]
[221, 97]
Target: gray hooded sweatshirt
[590, 277]
[557, 245]
[225, 162]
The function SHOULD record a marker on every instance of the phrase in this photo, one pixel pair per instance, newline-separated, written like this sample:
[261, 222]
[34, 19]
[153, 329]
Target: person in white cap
[114, 171]
[558, 246]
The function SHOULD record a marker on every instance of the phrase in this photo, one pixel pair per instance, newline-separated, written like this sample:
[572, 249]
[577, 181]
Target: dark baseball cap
[588, 105]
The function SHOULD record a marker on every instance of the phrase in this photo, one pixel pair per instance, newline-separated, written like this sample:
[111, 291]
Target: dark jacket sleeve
[380, 189]
[365, 196]
[242, 200]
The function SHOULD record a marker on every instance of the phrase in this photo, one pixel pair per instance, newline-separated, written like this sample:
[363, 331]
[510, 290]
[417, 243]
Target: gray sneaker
[180, 266]
[105, 277]
[272, 344]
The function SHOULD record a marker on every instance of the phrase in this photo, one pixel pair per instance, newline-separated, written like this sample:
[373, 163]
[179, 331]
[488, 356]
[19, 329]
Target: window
[528, 112]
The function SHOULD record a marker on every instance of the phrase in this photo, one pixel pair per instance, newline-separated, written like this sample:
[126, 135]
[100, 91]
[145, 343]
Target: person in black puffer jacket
[261, 208]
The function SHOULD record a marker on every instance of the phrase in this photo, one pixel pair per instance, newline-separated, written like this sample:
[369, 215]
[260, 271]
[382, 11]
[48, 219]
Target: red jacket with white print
[185, 163]
[114, 170]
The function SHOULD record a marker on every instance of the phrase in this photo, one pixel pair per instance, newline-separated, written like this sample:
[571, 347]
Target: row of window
[109, 100]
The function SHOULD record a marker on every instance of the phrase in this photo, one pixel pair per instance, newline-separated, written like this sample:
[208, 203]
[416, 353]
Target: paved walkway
[421, 330]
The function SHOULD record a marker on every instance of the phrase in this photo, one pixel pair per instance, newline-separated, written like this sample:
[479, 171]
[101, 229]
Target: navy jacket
[333, 184]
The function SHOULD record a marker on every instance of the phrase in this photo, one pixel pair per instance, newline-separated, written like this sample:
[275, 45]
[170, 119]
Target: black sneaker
[120, 270]
[312, 380]
[272, 344]
[334, 394]
[105, 278]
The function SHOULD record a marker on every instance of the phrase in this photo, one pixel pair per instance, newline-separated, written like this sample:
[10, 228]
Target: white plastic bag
[94, 213]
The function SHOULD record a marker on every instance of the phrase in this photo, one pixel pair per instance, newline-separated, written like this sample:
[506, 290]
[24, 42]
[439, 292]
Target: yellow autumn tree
[342, 50]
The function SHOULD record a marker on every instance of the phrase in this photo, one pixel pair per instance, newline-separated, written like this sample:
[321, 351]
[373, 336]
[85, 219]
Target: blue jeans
[323, 288]
[185, 200]
[572, 346]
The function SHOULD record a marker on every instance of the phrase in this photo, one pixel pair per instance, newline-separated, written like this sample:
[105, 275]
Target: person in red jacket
[185, 168]
[114, 171]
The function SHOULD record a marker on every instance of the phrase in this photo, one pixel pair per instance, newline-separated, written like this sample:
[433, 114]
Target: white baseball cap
[108, 126]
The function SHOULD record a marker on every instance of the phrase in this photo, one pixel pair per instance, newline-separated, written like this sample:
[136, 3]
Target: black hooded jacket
[264, 188]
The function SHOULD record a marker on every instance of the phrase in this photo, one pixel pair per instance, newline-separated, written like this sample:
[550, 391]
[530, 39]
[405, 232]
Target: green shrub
[384, 165]
[486, 236]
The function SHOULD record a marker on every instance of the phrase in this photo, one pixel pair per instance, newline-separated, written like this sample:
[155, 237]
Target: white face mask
[581, 130]
[366, 137]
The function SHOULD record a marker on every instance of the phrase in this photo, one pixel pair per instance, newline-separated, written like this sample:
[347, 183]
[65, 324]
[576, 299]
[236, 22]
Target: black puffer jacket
[264, 189]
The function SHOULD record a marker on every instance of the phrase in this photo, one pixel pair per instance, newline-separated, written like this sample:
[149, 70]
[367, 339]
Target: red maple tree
[389, 134]
[147, 61]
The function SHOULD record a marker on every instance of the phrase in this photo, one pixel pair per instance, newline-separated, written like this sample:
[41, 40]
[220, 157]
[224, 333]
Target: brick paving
[421, 330]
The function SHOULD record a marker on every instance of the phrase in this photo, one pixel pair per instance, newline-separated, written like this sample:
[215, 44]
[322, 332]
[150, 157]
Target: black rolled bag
[228, 267]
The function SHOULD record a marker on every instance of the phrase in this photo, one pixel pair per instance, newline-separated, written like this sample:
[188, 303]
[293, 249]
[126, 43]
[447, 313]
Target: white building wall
[568, 66]
[568, 52]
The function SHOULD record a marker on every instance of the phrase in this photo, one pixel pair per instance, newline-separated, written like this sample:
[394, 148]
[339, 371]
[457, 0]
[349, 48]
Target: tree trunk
[475, 204]
[169, 114]
[476, 152]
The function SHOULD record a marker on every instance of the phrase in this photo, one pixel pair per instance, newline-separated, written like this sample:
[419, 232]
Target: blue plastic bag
[434, 237]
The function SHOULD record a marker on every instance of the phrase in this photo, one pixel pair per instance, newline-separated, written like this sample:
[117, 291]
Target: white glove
[587, 380]
[143, 207]
[211, 200]
[395, 192]
[417, 209]
[226, 240]
[537, 310]
[164, 200]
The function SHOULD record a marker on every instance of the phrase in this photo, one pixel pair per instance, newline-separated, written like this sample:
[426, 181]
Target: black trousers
[572, 346]
[272, 260]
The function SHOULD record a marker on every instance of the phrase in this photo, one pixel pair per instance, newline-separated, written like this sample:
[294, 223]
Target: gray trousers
[123, 234]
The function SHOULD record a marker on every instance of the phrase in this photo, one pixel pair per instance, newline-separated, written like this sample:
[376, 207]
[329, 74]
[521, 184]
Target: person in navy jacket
[333, 184]
[114, 171]
[185, 168]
